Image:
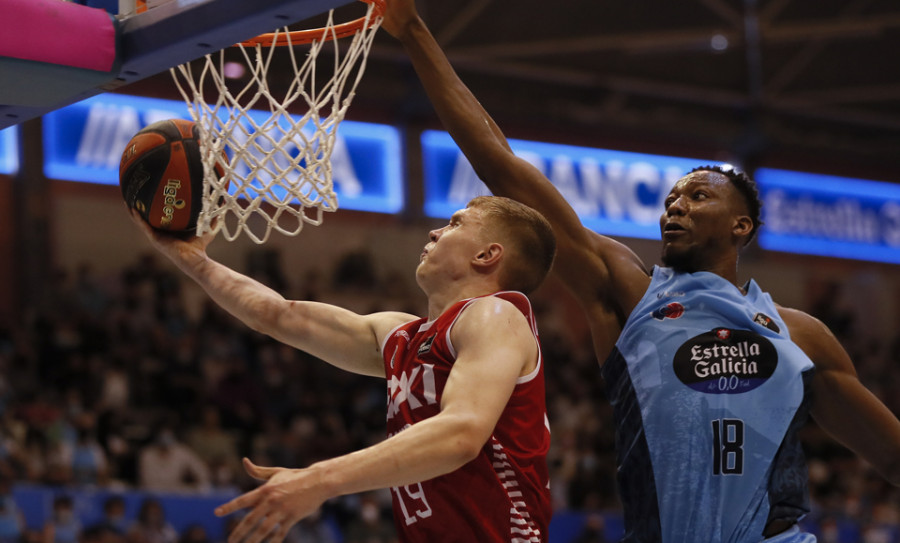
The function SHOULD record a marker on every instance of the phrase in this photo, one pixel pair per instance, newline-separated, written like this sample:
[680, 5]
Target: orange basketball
[161, 175]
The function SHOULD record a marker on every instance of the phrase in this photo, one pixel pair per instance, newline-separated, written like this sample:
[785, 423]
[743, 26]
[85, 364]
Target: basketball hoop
[278, 147]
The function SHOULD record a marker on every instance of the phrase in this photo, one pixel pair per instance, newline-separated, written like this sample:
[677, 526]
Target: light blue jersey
[708, 392]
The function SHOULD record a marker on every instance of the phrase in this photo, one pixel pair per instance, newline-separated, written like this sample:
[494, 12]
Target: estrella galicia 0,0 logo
[725, 361]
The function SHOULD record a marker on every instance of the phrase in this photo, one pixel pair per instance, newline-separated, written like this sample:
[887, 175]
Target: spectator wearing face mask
[114, 519]
[63, 526]
[151, 525]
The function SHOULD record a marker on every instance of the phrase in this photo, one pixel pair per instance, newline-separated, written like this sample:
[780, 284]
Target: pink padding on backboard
[58, 32]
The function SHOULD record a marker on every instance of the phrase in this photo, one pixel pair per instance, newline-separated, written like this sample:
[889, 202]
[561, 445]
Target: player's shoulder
[613, 251]
[492, 322]
[487, 314]
[386, 322]
[494, 305]
[626, 276]
[808, 332]
[800, 322]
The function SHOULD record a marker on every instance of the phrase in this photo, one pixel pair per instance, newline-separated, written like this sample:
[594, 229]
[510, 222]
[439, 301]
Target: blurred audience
[130, 382]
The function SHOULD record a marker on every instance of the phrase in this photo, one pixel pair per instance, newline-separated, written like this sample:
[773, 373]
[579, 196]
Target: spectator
[101, 534]
[114, 519]
[216, 447]
[370, 526]
[238, 396]
[312, 529]
[63, 526]
[151, 525]
[594, 530]
[195, 533]
[13, 460]
[165, 465]
[12, 522]
[86, 459]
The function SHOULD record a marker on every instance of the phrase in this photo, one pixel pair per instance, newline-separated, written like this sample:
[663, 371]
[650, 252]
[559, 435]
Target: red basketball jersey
[503, 495]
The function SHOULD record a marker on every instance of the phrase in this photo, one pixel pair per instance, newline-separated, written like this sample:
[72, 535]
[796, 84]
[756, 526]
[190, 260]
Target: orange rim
[299, 37]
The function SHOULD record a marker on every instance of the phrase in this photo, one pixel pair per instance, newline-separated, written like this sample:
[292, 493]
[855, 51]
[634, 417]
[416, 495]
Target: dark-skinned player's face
[698, 221]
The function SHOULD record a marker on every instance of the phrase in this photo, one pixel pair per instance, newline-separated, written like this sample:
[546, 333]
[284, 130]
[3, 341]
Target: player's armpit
[842, 405]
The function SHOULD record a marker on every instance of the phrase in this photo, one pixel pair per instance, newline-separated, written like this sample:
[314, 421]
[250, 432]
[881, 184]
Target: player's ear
[742, 227]
[490, 255]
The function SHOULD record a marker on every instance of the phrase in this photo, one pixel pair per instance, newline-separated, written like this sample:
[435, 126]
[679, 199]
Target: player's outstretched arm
[842, 406]
[480, 139]
[494, 345]
[336, 335]
[583, 258]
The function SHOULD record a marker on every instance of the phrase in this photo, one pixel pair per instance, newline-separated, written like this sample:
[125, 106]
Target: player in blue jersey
[709, 379]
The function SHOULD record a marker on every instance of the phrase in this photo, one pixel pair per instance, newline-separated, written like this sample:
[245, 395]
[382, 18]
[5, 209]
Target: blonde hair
[526, 234]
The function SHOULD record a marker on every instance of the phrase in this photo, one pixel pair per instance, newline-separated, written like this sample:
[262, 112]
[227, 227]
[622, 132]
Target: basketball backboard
[175, 32]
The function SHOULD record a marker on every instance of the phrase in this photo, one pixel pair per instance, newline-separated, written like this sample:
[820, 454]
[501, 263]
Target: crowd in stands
[126, 381]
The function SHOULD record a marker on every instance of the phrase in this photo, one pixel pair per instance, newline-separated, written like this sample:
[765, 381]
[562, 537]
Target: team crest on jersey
[764, 320]
[725, 361]
[425, 346]
[672, 310]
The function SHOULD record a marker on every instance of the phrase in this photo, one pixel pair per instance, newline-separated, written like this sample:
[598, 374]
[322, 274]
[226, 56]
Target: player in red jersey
[466, 452]
[420, 356]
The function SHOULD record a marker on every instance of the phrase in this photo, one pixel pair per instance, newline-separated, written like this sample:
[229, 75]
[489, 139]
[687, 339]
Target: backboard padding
[171, 34]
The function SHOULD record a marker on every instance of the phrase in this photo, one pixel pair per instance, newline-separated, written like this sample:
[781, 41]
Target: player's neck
[441, 300]
[722, 263]
[724, 269]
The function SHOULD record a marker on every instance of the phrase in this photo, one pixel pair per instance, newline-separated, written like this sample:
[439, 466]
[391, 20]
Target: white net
[267, 157]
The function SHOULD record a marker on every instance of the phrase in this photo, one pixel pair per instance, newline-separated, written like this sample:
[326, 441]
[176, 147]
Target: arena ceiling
[785, 83]
[777, 81]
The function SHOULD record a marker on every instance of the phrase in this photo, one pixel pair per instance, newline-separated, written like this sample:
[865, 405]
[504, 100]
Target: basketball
[161, 175]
